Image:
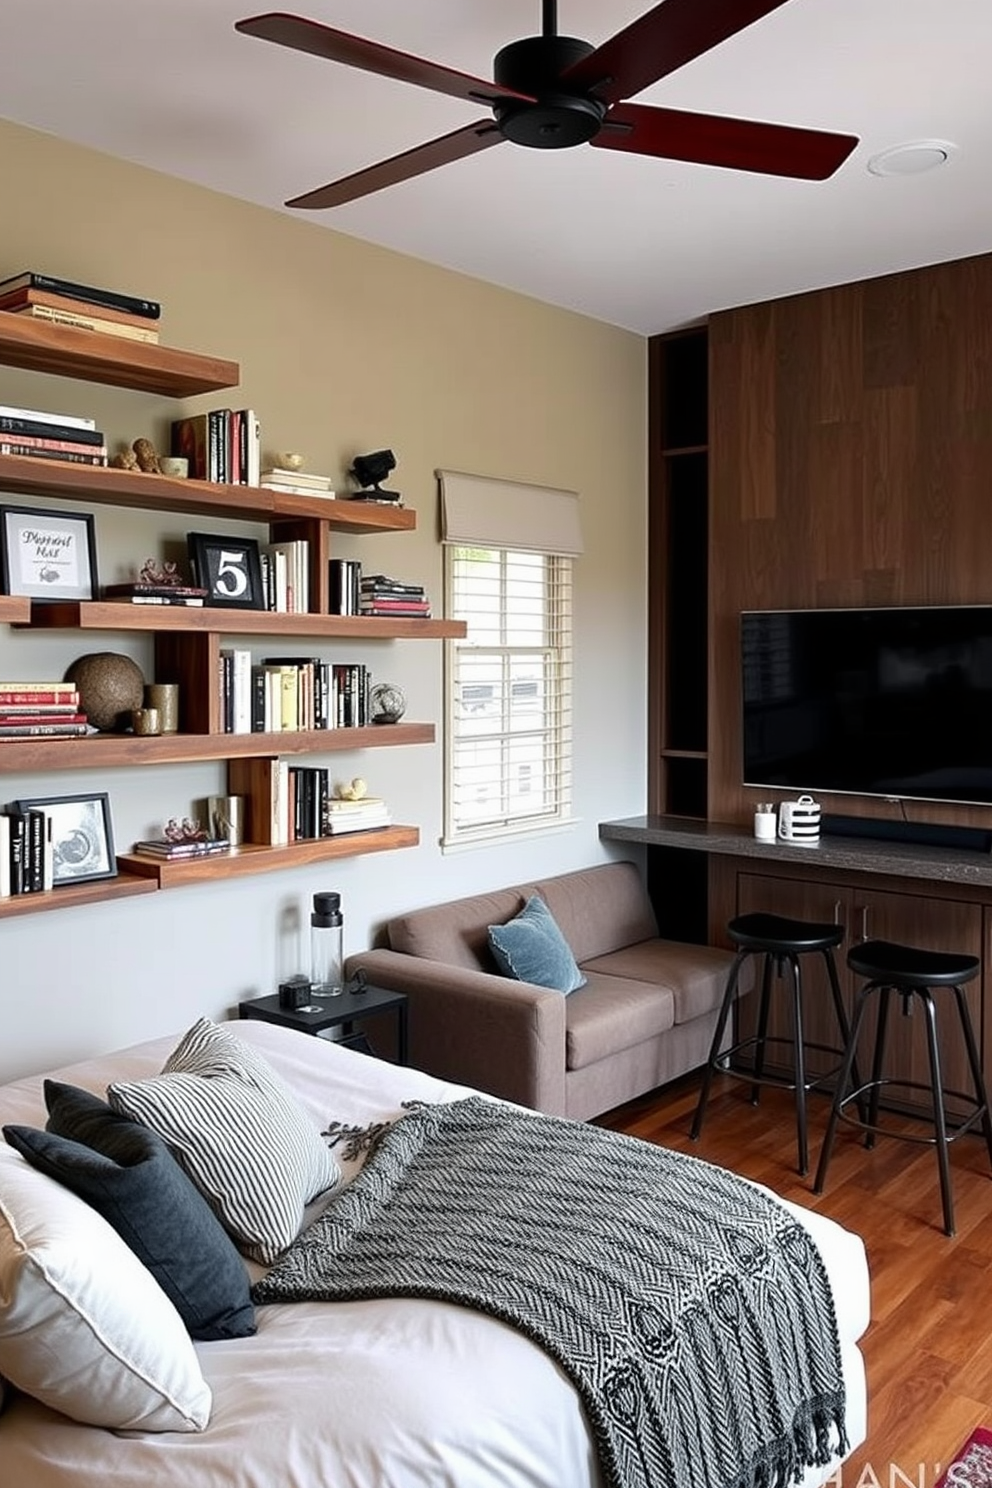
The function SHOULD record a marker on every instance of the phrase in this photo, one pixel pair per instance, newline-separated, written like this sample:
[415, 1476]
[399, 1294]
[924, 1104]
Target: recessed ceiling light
[911, 159]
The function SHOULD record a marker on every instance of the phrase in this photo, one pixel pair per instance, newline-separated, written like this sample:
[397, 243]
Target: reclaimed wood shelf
[66, 895]
[14, 609]
[113, 751]
[108, 614]
[94, 356]
[252, 858]
[104, 485]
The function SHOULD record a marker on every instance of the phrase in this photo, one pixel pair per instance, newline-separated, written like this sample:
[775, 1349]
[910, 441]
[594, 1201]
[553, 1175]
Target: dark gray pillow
[128, 1175]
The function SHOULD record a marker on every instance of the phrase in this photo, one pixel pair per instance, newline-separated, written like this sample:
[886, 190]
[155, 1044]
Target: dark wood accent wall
[850, 448]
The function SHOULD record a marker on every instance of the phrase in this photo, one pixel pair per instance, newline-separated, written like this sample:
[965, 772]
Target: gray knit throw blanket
[690, 1310]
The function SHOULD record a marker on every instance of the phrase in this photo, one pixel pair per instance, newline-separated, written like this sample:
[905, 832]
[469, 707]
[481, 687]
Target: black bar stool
[781, 941]
[914, 974]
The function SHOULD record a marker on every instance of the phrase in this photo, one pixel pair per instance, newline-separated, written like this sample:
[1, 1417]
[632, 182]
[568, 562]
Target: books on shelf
[221, 445]
[286, 576]
[297, 482]
[24, 298]
[79, 321]
[381, 595]
[43, 451]
[36, 427]
[169, 851]
[295, 803]
[162, 594]
[39, 415]
[345, 586]
[91, 294]
[27, 856]
[40, 709]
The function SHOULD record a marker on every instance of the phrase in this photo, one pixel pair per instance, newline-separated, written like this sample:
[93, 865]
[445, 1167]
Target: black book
[40, 430]
[130, 304]
[18, 846]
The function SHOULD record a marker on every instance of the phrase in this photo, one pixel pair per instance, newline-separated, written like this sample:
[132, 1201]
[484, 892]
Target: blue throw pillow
[128, 1175]
[531, 948]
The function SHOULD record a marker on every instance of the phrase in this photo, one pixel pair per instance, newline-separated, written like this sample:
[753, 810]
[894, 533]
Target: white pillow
[84, 1327]
[239, 1132]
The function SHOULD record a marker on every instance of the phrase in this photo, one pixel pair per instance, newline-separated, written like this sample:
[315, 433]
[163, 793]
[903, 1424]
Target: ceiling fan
[550, 92]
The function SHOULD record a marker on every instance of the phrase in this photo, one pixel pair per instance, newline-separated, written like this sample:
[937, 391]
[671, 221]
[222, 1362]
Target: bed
[392, 1392]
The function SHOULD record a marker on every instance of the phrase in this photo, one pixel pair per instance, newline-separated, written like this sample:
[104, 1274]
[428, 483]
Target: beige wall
[343, 348]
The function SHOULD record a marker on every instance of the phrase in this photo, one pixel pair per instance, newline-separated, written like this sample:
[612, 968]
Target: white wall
[343, 348]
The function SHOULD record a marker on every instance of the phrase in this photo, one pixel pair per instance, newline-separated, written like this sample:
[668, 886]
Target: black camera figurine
[371, 471]
[294, 993]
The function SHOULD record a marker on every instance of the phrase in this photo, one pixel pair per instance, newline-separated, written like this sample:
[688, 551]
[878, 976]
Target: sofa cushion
[607, 1015]
[531, 948]
[694, 975]
[600, 909]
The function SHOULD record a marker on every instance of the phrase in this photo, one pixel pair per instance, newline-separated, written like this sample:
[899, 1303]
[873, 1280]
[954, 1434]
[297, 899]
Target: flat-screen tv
[893, 702]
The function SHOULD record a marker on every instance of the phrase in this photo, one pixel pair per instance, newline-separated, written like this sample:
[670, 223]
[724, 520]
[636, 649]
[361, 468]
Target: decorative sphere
[387, 703]
[110, 686]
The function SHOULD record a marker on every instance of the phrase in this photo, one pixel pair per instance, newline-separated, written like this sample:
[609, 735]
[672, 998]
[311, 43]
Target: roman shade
[479, 511]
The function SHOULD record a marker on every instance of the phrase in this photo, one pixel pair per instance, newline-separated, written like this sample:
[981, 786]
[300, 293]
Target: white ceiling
[640, 243]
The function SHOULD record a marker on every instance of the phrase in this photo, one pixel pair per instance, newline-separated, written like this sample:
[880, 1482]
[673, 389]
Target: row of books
[39, 710]
[291, 693]
[286, 576]
[26, 852]
[222, 445]
[51, 436]
[55, 301]
[302, 805]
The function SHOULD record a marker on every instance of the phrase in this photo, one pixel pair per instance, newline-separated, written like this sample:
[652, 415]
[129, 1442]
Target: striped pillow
[239, 1132]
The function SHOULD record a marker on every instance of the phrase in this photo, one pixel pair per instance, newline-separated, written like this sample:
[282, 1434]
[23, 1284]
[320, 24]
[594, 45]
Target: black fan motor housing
[558, 119]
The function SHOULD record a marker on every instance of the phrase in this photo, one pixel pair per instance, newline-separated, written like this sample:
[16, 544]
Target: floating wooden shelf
[252, 859]
[106, 486]
[113, 751]
[68, 895]
[95, 356]
[14, 609]
[105, 614]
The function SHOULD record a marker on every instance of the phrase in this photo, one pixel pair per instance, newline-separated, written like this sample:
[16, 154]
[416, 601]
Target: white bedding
[384, 1394]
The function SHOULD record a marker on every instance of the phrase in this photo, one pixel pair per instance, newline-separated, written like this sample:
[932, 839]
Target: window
[508, 740]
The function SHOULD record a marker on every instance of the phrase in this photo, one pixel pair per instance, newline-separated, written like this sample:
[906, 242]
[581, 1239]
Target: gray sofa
[646, 1014]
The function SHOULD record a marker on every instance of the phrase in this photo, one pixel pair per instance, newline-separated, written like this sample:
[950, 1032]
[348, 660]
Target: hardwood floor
[928, 1350]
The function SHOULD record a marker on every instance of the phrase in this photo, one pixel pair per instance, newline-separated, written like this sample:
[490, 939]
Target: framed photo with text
[47, 554]
[82, 836]
[229, 568]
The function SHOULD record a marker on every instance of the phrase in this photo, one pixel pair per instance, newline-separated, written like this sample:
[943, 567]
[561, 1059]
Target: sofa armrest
[478, 1029]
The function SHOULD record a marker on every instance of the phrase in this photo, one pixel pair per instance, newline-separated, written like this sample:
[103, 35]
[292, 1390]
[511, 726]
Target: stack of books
[291, 693]
[381, 595]
[52, 436]
[223, 445]
[297, 482]
[169, 851]
[355, 816]
[39, 710]
[27, 860]
[155, 594]
[82, 306]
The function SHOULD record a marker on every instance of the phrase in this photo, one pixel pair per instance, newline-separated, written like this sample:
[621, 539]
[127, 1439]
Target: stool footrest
[960, 1124]
[722, 1063]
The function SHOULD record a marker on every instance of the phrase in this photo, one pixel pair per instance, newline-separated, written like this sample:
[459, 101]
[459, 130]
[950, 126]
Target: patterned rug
[972, 1467]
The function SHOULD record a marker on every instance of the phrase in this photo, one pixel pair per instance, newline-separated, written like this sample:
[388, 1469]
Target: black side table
[335, 1012]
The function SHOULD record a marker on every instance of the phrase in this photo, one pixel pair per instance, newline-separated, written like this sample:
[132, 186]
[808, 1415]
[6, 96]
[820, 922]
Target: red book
[62, 697]
[55, 720]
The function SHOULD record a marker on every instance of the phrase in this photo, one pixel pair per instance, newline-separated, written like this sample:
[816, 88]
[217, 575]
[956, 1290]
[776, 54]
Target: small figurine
[166, 574]
[125, 459]
[356, 791]
[186, 830]
[146, 456]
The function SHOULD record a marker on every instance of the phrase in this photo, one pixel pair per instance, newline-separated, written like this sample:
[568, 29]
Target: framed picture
[82, 836]
[48, 554]
[229, 568]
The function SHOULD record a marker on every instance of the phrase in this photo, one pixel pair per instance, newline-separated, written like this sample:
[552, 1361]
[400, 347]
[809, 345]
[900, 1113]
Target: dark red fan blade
[411, 163]
[338, 46]
[660, 41]
[738, 144]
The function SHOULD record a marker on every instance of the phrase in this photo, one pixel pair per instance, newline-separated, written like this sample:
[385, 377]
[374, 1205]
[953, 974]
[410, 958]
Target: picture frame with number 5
[229, 568]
